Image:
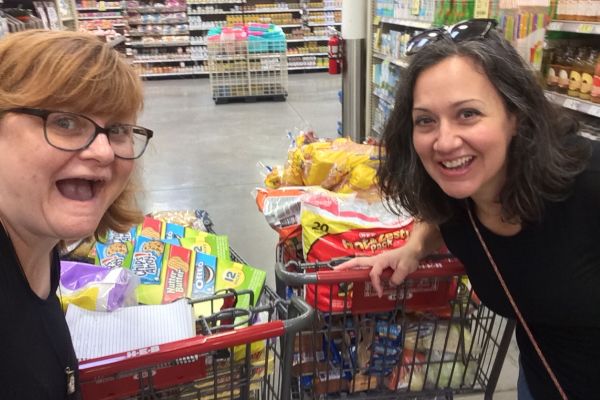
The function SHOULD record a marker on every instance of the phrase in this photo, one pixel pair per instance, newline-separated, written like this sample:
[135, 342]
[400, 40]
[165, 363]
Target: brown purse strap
[516, 309]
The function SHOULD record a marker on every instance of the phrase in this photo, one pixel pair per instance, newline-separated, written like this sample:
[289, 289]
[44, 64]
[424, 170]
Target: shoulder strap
[516, 309]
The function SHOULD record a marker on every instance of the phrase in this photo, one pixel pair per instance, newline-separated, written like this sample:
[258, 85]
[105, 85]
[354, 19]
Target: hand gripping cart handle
[147, 371]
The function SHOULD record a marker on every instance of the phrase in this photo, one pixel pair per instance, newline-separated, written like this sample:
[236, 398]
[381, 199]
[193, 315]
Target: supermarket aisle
[204, 156]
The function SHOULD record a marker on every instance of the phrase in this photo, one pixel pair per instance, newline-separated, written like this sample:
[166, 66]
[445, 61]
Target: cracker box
[113, 255]
[147, 260]
[177, 266]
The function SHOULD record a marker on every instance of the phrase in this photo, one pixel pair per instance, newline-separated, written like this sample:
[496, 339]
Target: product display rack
[393, 22]
[101, 16]
[306, 25]
[159, 41]
[248, 70]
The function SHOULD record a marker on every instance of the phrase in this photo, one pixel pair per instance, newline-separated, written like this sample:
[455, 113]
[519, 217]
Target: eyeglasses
[473, 29]
[72, 132]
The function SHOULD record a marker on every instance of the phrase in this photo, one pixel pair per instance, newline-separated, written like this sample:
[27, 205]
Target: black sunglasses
[472, 29]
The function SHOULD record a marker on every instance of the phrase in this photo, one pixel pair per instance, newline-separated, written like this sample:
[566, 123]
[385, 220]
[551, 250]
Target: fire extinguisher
[334, 46]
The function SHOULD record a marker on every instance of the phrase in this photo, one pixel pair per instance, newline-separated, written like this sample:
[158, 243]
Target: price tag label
[102, 6]
[595, 111]
[571, 104]
[555, 26]
[482, 8]
[416, 6]
[585, 28]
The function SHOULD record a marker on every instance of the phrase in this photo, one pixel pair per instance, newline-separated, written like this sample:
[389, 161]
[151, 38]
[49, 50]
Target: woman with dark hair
[68, 143]
[487, 165]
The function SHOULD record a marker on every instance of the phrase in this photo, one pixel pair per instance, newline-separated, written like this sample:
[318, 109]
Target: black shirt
[35, 344]
[552, 270]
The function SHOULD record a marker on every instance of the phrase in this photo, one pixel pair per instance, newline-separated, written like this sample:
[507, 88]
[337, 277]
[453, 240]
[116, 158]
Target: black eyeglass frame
[43, 114]
[447, 33]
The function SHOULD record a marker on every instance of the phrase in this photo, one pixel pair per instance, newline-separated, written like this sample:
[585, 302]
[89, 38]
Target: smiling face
[51, 194]
[461, 129]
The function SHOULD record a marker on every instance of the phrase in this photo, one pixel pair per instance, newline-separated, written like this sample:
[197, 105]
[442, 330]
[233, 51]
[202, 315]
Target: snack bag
[147, 260]
[113, 255]
[177, 265]
[116, 237]
[96, 288]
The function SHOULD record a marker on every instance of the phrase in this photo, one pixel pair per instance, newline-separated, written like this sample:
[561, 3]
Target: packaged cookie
[147, 259]
[129, 236]
[177, 264]
[113, 255]
[202, 283]
[173, 232]
[151, 228]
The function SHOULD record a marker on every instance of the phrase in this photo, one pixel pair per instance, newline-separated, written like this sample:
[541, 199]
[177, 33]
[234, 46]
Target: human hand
[402, 261]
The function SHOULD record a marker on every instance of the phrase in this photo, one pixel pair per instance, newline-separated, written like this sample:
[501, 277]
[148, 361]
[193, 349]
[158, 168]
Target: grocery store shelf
[172, 74]
[170, 60]
[99, 9]
[200, 28]
[309, 39]
[586, 107]
[325, 24]
[324, 9]
[271, 10]
[384, 97]
[290, 26]
[216, 13]
[406, 22]
[303, 68]
[399, 62]
[200, 3]
[151, 10]
[65, 19]
[198, 44]
[305, 54]
[159, 44]
[574, 26]
[101, 17]
[174, 22]
[143, 34]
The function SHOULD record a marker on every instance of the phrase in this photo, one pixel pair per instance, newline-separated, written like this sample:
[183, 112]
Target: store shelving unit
[159, 40]
[107, 16]
[389, 29]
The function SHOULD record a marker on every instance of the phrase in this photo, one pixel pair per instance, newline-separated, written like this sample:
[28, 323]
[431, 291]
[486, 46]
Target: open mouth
[459, 163]
[79, 189]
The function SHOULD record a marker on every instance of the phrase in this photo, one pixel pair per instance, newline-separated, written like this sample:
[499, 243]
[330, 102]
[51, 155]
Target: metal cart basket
[247, 69]
[238, 353]
[430, 337]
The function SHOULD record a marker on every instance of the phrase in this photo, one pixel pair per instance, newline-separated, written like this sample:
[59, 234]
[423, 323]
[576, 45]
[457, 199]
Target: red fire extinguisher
[334, 46]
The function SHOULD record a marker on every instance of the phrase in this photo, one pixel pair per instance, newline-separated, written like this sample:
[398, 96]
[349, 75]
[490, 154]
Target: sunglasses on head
[472, 29]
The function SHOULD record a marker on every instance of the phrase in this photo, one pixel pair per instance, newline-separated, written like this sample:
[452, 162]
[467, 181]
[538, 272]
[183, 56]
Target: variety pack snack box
[173, 261]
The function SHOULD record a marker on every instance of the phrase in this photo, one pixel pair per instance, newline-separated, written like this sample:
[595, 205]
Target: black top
[552, 270]
[35, 343]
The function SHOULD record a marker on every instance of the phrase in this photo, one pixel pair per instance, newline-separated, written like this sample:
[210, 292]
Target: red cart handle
[150, 356]
[437, 266]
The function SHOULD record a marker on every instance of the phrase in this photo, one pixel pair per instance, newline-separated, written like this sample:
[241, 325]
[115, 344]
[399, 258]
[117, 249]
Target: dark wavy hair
[543, 160]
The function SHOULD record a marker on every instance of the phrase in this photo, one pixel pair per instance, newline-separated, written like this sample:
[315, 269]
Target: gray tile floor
[204, 156]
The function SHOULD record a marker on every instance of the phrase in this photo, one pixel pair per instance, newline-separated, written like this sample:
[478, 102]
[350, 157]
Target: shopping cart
[428, 338]
[237, 353]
